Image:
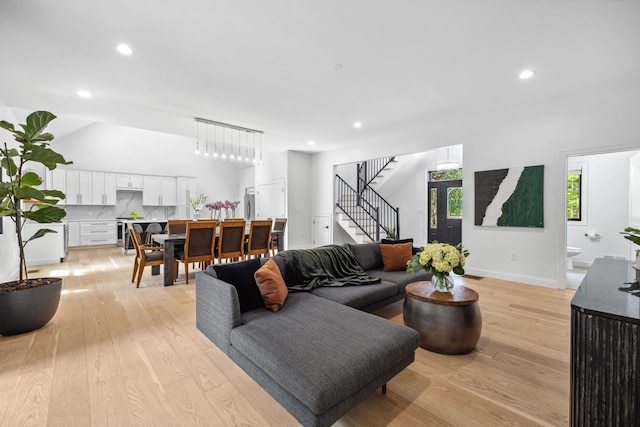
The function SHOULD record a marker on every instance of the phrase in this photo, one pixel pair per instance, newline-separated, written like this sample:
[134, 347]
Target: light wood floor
[115, 355]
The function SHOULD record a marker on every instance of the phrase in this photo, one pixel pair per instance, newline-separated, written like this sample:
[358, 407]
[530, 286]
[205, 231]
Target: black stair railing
[358, 210]
[388, 216]
[370, 169]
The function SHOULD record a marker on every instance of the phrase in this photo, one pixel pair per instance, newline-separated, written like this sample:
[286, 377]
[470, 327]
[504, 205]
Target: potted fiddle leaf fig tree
[28, 304]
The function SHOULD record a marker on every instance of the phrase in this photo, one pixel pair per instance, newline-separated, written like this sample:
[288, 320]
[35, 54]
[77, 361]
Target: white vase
[196, 215]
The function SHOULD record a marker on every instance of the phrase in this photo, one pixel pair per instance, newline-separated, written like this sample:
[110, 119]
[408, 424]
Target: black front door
[445, 211]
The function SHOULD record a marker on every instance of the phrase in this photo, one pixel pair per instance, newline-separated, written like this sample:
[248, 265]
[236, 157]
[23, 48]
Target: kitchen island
[605, 346]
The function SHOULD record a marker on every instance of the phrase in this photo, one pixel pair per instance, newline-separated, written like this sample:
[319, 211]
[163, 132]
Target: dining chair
[280, 224]
[177, 226]
[259, 238]
[231, 240]
[146, 255]
[198, 246]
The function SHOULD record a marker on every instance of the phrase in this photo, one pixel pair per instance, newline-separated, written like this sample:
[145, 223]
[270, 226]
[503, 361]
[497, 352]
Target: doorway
[599, 191]
[445, 207]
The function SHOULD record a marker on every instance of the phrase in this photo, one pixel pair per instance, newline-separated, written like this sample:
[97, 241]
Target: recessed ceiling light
[311, 143]
[84, 94]
[124, 49]
[527, 74]
[357, 125]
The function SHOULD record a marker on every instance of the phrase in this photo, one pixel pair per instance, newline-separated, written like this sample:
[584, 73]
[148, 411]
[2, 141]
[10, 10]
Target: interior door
[445, 211]
[321, 230]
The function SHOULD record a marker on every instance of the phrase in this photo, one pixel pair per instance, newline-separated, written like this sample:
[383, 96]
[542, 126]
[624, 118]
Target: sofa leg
[384, 388]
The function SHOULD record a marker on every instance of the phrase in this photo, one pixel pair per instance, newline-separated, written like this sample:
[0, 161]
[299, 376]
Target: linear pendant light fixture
[230, 148]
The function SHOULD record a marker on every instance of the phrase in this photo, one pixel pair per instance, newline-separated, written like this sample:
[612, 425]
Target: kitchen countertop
[143, 220]
[89, 219]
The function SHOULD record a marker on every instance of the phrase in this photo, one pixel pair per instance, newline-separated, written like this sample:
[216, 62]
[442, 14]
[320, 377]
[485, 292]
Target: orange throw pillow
[395, 257]
[271, 285]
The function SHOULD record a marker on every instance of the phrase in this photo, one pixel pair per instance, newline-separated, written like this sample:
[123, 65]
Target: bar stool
[153, 228]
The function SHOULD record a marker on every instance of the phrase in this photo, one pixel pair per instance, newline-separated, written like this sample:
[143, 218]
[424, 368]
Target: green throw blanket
[330, 265]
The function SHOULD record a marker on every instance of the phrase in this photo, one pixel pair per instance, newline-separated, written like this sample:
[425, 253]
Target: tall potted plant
[28, 304]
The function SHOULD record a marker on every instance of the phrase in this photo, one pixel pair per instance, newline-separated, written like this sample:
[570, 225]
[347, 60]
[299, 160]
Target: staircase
[373, 173]
[355, 220]
[363, 213]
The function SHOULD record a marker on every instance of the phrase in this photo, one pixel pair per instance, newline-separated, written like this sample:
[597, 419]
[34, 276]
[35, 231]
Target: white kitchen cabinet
[57, 180]
[79, 188]
[98, 233]
[74, 234]
[103, 188]
[48, 249]
[159, 191]
[125, 181]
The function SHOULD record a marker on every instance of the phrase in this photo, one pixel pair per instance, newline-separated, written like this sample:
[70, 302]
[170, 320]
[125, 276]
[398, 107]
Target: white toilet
[571, 252]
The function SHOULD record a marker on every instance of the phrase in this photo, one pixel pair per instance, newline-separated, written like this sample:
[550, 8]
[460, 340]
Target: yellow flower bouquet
[440, 259]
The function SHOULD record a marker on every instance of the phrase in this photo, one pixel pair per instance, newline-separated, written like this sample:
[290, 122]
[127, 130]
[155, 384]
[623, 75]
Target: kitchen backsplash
[126, 201]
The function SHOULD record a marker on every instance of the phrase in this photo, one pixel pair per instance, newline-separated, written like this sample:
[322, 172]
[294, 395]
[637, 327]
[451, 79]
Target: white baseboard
[529, 280]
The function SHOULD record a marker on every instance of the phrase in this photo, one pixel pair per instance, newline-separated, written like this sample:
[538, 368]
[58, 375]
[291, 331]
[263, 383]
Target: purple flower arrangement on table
[216, 208]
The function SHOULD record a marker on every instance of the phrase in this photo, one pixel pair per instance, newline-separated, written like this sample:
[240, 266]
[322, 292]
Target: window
[433, 218]
[574, 196]
[454, 203]
[448, 175]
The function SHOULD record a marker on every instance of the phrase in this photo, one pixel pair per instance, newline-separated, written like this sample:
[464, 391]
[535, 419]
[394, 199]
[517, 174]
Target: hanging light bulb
[206, 141]
[253, 157]
[197, 152]
[216, 156]
[223, 157]
[232, 158]
[247, 160]
[239, 157]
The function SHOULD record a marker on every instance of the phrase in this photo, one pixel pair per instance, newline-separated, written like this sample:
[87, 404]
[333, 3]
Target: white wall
[9, 254]
[246, 179]
[299, 200]
[543, 133]
[606, 211]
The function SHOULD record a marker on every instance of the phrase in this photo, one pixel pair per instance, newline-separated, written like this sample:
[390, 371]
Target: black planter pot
[26, 310]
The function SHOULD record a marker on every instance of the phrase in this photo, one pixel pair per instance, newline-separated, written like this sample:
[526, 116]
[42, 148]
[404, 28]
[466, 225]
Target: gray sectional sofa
[322, 353]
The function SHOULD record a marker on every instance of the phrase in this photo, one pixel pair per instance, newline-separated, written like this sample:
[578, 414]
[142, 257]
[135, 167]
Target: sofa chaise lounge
[322, 353]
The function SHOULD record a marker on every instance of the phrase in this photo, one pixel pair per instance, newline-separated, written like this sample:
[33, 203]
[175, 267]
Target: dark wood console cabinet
[605, 347]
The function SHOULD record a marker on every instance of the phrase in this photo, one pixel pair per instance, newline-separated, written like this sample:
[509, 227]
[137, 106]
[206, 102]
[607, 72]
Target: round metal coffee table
[448, 322]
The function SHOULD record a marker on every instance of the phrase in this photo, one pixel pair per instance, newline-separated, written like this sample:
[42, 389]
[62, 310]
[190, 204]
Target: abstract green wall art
[512, 197]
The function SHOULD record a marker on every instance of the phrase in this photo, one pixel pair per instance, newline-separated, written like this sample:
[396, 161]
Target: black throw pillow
[399, 242]
[240, 275]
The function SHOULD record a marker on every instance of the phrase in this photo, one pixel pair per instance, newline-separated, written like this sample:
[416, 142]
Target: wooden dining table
[170, 241]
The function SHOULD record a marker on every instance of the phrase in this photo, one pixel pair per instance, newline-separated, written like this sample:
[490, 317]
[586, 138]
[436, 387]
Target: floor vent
[32, 271]
[471, 276]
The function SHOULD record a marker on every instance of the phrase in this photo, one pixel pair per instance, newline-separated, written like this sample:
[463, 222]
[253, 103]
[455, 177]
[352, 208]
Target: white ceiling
[269, 64]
